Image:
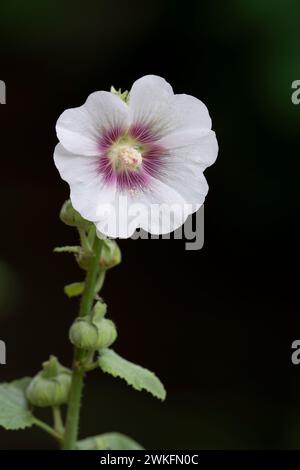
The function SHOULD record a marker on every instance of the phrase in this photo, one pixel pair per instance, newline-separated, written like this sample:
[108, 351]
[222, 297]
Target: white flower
[137, 163]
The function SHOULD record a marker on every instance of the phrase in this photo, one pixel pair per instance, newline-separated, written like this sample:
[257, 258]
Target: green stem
[100, 280]
[72, 422]
[57, 420]
[47, 428]
[91, 366]
[84, 240]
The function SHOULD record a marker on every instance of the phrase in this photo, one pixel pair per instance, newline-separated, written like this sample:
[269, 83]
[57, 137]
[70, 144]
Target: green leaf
[74, 289]
[14, 412]
[67, 249]
[109, 441]
[136, 376]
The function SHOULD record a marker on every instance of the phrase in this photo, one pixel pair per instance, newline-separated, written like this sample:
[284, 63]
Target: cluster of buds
[93, 332]
[110, 253]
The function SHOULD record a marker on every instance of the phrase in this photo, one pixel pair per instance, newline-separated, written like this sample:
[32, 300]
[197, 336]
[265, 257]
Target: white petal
[189, 153]
[76, 131]
[158, 210]
[89, 193]
[107, 110]
[190, 113]
[191, 186]
[79, 129]
[153, 103]
[196, 148]
[167, 209]
[149, 99]
[115, 223]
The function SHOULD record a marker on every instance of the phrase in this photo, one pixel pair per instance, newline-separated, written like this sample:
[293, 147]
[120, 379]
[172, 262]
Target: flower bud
[71, 217]
[83, 334]
[110, 254]
[107, 333]
[123, 95]
[93, 333]
[83, 258]
[50, 386]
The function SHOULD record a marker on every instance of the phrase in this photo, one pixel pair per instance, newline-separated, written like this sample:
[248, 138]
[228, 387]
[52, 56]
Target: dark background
[216, 324]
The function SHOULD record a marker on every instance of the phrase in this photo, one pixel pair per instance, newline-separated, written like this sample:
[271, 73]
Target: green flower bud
[69, 216]
[107, 333]
[83, 334]
[50, 386]
[83, 259]
[123, 95]
[110, 254]
[93, 333]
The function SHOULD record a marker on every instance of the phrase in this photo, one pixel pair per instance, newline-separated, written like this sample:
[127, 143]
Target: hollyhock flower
[139, 161]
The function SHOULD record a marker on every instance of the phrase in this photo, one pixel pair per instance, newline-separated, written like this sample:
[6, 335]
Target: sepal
[74, 289]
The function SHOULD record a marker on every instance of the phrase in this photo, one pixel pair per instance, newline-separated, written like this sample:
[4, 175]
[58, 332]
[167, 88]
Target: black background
[216, 324]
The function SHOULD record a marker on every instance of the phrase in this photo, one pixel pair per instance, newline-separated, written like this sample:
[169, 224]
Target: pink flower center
[130, 157]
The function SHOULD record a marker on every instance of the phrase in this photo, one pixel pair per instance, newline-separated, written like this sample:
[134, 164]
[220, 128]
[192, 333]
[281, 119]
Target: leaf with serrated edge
[74, 289]
[136, 376]
[14, 412]
[109, 441]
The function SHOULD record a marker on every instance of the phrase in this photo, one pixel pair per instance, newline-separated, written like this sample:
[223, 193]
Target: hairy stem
[72, 421]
